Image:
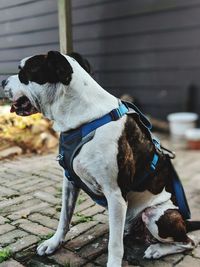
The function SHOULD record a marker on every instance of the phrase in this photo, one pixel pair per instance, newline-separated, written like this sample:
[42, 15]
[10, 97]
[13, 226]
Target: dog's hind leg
[169, 228]
[156, 251]
[69, 197]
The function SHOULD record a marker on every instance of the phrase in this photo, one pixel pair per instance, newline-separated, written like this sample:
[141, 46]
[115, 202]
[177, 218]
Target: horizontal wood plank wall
[147, 48]
[27, 27]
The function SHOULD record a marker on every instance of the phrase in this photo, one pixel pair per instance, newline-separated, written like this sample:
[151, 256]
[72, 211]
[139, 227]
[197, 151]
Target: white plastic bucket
[180, 122]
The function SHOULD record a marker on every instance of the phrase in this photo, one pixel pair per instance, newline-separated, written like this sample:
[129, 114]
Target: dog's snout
[4, 82]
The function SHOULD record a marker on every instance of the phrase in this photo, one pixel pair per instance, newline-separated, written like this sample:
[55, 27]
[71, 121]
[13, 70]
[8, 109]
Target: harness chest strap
[71, 142]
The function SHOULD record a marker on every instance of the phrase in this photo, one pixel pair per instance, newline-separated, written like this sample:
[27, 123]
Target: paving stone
[189, 261]
[195, 235]
[29, 182]
[196, 252]
[173, 259]
[155, 263]
[35, 228]
[44, 220]
[86, 204]
[37, 186]
[56, 178]
[102, 260]
[25, 212]
[16, 200]
[3, 220]
[47, 197]
[11, 237]
[51, 211]
[15, 182]
[7, 192]
[87, 237]
[96, 248]
[79, 229]
[64, 257]
[93, 210]
[21, 206]
[51, 190]
[39, 263]
[102, 218]
[90, 265]
[11, 263]
[6, 228]
[23, 243]
[126, 264]
[19, 221]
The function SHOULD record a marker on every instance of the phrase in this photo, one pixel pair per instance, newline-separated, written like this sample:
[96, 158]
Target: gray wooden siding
[148, 48]
[26, 27]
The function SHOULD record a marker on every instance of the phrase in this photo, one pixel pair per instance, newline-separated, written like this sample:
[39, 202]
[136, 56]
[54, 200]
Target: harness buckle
[115, 114]
[59, 157]
[156, 142]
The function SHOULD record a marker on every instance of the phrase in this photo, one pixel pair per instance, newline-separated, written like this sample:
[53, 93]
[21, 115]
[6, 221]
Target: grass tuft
[5, 253]
[82, 218]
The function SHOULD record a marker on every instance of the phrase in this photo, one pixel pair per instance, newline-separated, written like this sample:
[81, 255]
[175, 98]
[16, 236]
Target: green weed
[82, 218]
[5, 253]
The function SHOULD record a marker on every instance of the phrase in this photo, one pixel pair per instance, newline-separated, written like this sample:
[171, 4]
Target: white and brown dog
[61, 88]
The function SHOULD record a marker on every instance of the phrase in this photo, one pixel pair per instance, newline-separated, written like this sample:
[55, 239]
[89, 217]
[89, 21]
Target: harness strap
[179, 191]
[146, 123]
[114, 115]
[77, 138]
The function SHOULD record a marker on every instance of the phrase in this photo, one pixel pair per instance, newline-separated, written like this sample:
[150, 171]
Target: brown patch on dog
[136, 152]
[171, 224]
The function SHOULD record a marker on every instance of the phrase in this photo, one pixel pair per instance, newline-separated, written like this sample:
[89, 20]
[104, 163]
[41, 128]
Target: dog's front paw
[152, 252]
[49, 246]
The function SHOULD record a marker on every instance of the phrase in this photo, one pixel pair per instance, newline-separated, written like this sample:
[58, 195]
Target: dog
[61, 88]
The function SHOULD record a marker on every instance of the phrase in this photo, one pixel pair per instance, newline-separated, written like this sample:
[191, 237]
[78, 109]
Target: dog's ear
[58, 65]
[82, 61]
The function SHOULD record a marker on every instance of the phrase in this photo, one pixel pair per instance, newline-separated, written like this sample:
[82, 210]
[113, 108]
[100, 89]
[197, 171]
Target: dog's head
[39, 81]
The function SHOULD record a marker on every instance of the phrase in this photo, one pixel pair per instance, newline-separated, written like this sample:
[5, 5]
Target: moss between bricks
[80, 200]
[83, 218]
[5, 254]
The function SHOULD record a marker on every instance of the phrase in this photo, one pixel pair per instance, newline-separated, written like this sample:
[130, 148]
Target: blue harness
[72, 141]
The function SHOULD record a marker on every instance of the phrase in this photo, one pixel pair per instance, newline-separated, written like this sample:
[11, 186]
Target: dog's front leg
[117, 208]
[69, 197]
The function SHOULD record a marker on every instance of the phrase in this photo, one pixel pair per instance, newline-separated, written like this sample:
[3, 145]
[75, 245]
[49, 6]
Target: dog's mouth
[23, 107]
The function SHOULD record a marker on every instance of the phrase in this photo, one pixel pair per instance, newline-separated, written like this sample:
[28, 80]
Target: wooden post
[65, 26]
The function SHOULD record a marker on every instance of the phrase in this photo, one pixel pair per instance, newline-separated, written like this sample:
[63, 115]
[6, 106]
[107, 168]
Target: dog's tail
[192, 225]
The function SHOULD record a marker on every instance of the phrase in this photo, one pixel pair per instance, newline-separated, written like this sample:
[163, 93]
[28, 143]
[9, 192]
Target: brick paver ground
[30, 196]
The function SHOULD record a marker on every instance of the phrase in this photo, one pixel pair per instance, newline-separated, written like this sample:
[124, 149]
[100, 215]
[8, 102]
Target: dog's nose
[3, 83]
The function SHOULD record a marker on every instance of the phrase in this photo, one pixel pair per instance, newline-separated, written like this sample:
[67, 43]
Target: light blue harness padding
[72, 141]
